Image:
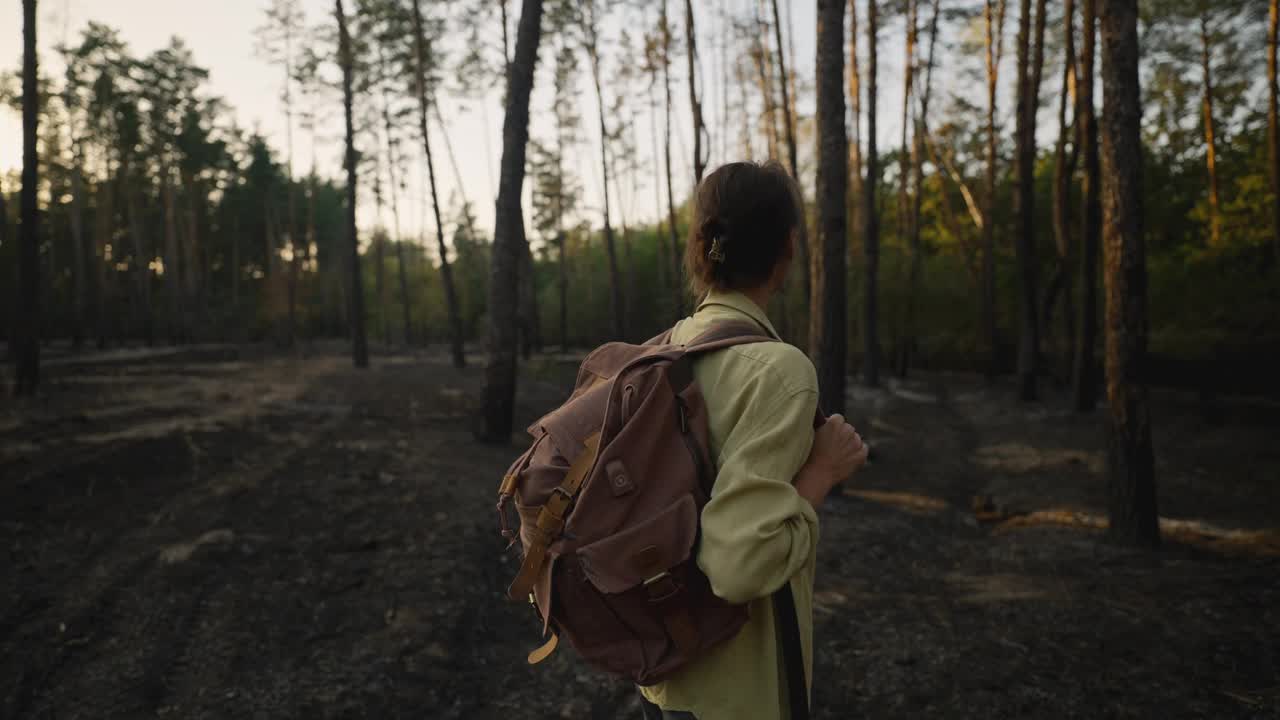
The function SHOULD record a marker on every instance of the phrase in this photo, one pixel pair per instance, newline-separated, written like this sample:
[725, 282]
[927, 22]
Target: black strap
[784, 614]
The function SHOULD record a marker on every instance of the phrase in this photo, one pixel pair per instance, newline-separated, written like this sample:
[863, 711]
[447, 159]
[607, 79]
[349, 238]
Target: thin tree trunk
[615, 282]
[77, 250]
[379, 253]
[141, 260]
[832, 188]
[500, 372]
[446, 271]
[1210, 136]
[172, 261]
[764, 70]
[1273, 124]
[810, 278]
[855, 146]
[1030, 64]
[1132, 489]
[359, 341]
[1064, 163]
[564, 291]
[394, 181]
[905, 234]
[910, 345]
[699, 129]
[28, 316]
[994, 24]
[871, 215]
[1084, 374]
[676, 254]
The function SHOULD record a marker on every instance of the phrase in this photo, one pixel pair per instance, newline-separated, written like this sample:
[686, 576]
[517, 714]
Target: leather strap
[784, 614]
[551, 519]
[544, 652]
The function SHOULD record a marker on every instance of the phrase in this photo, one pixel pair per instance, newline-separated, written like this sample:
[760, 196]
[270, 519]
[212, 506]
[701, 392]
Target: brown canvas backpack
[609, 497]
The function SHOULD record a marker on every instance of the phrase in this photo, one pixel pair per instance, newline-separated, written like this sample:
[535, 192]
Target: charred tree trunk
[78, 251]
[393, 180]
[871, 216]
[1064, 164]
[699, 129]
[28, 317]
[1084, 372]
[905, 234]
[1273, 123]
[446, 270]
[810, 278]
[677, 281]
[615, 281]
[994, 25]
[500, 372]
[832, 186]
[912, 341]
[1210, 136]
[1030, 64]
[1132, 488]
[561, 244]
[855, 145]
[359, 341]
[172, 260]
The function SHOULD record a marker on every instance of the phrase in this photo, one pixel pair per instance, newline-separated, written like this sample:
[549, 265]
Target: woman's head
[744, 217]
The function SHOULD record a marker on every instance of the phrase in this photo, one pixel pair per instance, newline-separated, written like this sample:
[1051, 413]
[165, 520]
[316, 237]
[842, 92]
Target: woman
[760, 528]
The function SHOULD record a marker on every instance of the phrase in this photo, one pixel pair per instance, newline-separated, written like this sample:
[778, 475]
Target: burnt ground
[225, 532]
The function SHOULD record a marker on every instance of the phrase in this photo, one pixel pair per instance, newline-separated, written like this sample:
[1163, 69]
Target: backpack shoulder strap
[729, 334]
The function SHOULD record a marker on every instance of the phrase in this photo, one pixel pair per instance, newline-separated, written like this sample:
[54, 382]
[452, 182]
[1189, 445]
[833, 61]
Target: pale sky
[220, 35]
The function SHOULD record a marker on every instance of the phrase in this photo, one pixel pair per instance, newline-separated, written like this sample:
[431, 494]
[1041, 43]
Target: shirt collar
[740, 303]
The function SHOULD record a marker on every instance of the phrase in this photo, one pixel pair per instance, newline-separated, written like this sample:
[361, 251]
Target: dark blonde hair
[745, 212]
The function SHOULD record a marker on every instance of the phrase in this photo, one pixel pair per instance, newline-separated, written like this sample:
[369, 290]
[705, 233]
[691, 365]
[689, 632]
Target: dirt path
[207, 533]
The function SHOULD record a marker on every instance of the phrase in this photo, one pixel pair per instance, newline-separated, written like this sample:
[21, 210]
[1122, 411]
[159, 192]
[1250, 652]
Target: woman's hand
[838, 451]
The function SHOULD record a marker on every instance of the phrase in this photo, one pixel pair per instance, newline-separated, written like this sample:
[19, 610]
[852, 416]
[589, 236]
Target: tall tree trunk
[1273, 123]
[78, 249]
[810, 264]
[28, 316]
[359, 341]
[912, 25]
[871, 215]
[1064, 164]
[615, 282]
[994, 25]
[1132, 487]
[910, 345]
[1030, 63]
[699, 129]
[393, 179]
[561, 244]
[379, 253]
[855, 146]
[141, 255]
[832, 187]
[446, 270]
[500, 372]
[1210, 136]
[676, 254]
[1084, 373]
[172, 260]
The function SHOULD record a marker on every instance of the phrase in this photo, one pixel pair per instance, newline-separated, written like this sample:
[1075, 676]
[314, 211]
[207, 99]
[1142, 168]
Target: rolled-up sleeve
[757, 532]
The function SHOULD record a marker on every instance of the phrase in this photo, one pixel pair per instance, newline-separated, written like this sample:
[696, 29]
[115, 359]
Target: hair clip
[716, 253]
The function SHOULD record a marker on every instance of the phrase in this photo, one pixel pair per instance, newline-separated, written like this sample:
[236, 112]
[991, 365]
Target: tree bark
[359, 341]
[1210, 136]
[1084, 380]
[911, 343]
[1132, 492]
[500, 372]
[446, 270]
[1030, 64]
[832, 187]
[1273, 124]
[855, 145]
[699, 129]
[905, 234]
[172, 260]
[871, 216]
[28, 316]
[615, 282]
[677, 256]
[78, 250]
[994, 25]
[1064, 164]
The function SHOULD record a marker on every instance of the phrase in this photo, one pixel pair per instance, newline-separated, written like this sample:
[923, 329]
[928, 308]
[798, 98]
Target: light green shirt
[757, 532]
